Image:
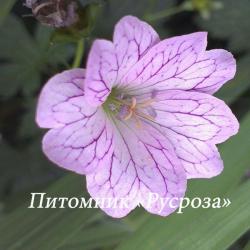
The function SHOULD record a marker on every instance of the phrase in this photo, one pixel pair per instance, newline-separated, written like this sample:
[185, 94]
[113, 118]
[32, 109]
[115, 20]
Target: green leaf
[49, 53]
[247, 247]
[159, 233]
[59, 228]
[221, 227]
[231, 22]
[9, 157]
[28, 126]
[15, 76]
[24, 65]
[114, 10]
[22, 226]
[5, 7]
[236, 87]
[105, 234]
[23, 169]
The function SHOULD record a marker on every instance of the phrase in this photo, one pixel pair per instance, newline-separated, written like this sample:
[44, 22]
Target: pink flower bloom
[141, 118]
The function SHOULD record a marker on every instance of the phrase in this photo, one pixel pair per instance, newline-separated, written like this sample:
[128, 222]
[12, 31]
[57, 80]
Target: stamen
[147, 117]
[124, 112]
[131, 109]
[145, 103]
[127, 107]
[133, 103]
[128, 116]
[138, 122]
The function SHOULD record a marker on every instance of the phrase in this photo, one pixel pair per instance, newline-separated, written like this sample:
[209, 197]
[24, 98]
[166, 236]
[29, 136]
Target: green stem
[167, 12]
[78, 54]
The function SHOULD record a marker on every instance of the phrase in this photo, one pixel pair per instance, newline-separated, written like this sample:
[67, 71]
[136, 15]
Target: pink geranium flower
[141, 118]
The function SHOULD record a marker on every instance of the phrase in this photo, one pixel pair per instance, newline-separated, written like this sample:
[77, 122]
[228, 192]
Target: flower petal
[57, 104]
[108, 62]
[181, 63]
[101, 74]
[200, 159]
[81, 137]
[194, 122]
[81, 146]
[132, 39]
[143, 162]
[195, 115]
[217, 66]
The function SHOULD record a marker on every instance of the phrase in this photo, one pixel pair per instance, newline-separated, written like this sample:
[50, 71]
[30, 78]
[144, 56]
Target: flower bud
[55, 13]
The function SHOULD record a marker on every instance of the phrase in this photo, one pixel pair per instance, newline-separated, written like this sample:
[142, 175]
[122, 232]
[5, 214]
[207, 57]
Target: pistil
[126, 107]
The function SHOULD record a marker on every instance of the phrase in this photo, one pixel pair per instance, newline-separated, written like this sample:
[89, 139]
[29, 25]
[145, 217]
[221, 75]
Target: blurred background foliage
[30, 53]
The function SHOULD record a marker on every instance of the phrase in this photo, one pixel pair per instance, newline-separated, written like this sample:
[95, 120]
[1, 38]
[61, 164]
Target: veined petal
[61, 100]
[81, 146]
[195, 115]
[101, 74]
[200, 159]
[108, 62]
[143, 162]
[81, 137]
[181, 63]
[215, 68]
[132, 39]
[164, 60]
[194, 122]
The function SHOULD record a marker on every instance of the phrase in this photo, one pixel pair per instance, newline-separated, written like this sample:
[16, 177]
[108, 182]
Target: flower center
[126, 107]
